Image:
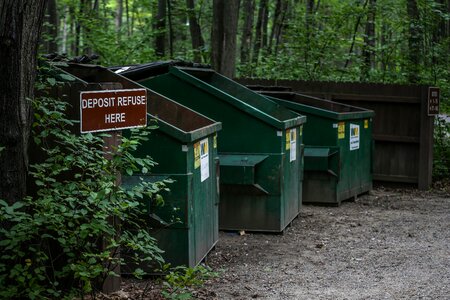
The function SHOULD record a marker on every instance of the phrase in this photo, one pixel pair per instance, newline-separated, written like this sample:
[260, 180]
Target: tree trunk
[51, 29]
[414, 42]
[246, 37]
[196, 34]
[171, 33]
[259, 40]
[217, 34]
[20, 29]
[127, 13]
[369, 41]
[281, 9]
[224, 32]
[119, 14]
[160, 40]
[78, 29]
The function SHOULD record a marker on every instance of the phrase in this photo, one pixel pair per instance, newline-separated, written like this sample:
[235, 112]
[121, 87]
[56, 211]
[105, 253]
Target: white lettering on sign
[107, 110]
[115, 118]
[100, 102]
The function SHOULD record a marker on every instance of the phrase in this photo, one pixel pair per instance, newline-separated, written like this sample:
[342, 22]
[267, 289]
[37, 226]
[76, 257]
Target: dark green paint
[264, 192]
[186, 227]
[333, 172]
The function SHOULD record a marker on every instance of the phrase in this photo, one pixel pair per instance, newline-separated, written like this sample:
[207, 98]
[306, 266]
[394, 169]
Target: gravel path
[390, 244]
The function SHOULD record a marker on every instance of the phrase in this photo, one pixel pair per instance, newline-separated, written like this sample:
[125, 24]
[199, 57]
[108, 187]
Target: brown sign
[433, 101]
[113, 110]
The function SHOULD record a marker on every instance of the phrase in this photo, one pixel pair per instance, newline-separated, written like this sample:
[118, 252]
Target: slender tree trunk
[171, 33]
[72, 31]
[414, 41]
[275, 23]
[119, 14]
[65, 30]
[127, 13]
[196, 34]
[246, 37]
[369, 41]
[309, 24]
[160, 40]
[358, 22]
[260, 22]
[217, 34]
[51, 29]
[281, 9]
[78, 29]
[20, 29]
[224, 32]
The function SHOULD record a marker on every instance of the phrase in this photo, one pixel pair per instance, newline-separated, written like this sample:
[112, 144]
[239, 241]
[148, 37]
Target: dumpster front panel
[268, 198]
[344, 135]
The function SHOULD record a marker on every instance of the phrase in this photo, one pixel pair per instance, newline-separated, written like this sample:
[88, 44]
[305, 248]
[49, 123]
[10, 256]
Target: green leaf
[52, 81]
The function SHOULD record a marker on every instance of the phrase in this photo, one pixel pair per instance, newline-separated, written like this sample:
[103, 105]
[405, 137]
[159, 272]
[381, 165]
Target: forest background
[401, 41]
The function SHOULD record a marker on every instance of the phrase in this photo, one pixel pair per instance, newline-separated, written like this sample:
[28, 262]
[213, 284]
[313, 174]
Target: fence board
[402, 129]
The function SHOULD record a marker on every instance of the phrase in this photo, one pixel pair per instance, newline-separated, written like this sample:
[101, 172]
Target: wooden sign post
[112, 110]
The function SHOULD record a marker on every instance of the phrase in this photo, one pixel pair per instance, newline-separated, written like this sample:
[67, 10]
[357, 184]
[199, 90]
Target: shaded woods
[362, 40]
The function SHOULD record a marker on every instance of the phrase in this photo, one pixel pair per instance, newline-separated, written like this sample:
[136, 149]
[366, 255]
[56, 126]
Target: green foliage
[179, 280]
[441, 153]
[60, 242]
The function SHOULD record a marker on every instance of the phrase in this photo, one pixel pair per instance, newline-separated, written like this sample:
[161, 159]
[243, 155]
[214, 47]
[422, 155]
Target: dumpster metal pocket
[324, 159]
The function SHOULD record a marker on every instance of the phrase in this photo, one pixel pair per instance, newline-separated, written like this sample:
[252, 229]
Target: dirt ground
[389, 244]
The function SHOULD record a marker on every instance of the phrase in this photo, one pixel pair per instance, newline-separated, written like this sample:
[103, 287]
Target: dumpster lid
[173, 118]
[320, 107]
[243, 160]
[239, 96]
[151, 69]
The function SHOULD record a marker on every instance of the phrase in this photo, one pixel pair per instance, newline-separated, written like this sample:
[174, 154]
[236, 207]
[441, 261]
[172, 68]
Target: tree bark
[260, 22]
[171, 33]
[51, 29]
[196, 34]
[119, 14]
[414, 42]
[281, 9]
[247, 33]
[223, 36]
[160, 40]
[369, 41]
[20, 29]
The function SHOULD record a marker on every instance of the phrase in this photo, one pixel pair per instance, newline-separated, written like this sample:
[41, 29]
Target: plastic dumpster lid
[280, 117]
[136, 72]
[318, 107]
[174, 119]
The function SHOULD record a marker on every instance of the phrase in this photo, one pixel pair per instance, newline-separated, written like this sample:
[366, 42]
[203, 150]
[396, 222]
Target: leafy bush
[179, 280]
[441, 161]
[60, 242]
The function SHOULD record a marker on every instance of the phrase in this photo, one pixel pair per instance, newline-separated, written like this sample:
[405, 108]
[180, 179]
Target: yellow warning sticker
[196, 155]
[288, 139]
[215, 141]
[341, 130]
[366, 123]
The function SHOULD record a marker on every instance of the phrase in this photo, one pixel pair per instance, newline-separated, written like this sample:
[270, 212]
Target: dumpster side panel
[205, 204]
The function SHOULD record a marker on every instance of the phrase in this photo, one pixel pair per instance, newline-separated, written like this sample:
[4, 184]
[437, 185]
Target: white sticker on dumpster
[204, 160]
[354, 137]
[293, 141]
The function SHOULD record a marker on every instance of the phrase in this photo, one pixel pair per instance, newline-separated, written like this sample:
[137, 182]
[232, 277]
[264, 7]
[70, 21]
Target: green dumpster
[259, 145]
[338, 147]
[185, 147]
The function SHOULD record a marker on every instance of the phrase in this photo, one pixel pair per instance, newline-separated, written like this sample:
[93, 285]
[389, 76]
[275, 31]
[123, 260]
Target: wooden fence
[402, 129]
